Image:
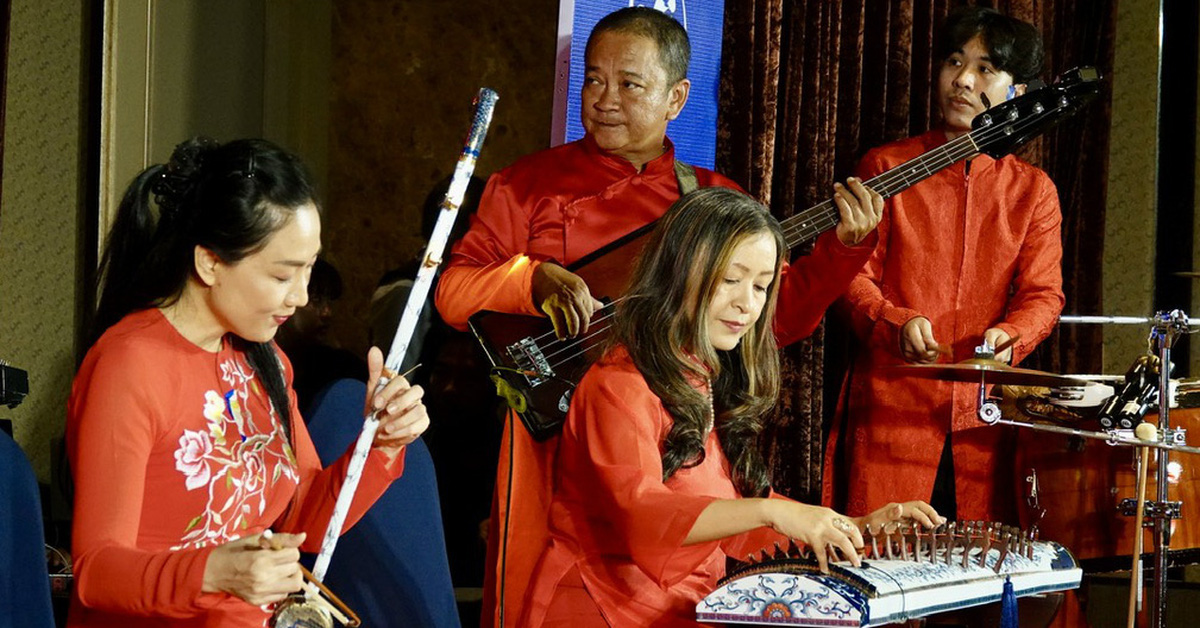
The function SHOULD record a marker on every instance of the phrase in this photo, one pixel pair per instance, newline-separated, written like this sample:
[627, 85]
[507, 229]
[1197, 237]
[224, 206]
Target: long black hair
[663, 325]
[228, 198]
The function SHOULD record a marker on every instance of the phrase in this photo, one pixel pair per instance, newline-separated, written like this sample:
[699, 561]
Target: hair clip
[250, 167]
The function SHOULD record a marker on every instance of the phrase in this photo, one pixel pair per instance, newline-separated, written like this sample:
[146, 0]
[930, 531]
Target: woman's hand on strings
[859, 209]
[564, 297]
[256, 569]
[402, 416]
[915, 511]
[822, 529]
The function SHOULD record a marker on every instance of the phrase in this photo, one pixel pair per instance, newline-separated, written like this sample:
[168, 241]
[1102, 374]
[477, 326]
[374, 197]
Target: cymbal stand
[1118, 320]
[1112, 437]
[1168, 327]
[989, 410]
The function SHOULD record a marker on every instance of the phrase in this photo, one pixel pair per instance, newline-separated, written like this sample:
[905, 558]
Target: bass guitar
[536, 372]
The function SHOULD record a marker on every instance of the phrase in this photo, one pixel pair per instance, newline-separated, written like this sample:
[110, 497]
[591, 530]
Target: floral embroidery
[234, 458]
[191, 458]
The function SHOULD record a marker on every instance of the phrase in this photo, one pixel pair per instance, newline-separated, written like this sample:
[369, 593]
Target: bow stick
[485, 102]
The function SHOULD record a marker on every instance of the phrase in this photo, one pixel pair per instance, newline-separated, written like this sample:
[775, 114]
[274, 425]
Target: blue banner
[694, 132]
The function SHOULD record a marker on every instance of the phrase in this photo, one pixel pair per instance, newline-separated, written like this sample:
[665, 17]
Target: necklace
[712, 411]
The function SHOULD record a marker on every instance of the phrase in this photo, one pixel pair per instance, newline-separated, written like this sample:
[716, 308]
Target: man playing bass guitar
[552, 208]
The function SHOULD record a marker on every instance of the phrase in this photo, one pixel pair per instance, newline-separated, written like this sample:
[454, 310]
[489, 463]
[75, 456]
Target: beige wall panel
[207, 72]
[177, 69]
[1129, 237]
[39, 223]
[296, 76]
[124, 133]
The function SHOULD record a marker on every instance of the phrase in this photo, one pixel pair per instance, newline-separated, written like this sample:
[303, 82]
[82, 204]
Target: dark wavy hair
[1013, 45]
[663, 325]
[674, 49]
[228, 198]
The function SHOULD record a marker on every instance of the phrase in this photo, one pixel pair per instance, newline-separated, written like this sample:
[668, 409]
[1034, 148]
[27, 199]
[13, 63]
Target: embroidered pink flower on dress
[190, 458]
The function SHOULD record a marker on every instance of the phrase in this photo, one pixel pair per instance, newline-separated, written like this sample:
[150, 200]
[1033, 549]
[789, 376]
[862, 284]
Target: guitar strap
[686, 176]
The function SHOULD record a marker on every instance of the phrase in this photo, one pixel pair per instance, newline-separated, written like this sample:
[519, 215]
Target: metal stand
[1167, 327]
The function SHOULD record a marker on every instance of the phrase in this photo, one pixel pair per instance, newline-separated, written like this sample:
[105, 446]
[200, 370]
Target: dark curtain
[808, 86]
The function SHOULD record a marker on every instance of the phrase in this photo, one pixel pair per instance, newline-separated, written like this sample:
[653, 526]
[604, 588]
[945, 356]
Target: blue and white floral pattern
[793, 592]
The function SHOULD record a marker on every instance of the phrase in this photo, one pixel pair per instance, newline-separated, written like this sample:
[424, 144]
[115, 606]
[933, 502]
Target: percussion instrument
[1186, 394]
[1092, 394]
[1081, 484]
[983, 371]
[907, 573]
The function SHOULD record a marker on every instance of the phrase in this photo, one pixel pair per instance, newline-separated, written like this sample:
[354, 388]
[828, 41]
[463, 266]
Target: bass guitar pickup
[529, 359]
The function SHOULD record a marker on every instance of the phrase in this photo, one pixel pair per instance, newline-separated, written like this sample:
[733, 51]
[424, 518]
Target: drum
[1080, 484]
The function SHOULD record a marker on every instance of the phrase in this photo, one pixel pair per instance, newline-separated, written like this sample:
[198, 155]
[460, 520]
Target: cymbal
[1191, 274]
[984, 370]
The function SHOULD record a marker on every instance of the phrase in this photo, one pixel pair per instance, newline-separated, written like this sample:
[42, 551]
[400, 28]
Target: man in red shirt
[971, 255]
[549, 209]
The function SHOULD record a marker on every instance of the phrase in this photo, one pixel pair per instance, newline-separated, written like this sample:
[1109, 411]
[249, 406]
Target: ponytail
[228, 198]
[130, 246]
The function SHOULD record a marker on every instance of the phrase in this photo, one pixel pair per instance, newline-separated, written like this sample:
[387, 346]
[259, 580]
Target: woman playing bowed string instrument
[182, 429]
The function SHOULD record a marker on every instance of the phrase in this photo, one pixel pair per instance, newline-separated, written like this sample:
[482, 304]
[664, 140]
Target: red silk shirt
[562, 204]
[972, 247]
[616, 525]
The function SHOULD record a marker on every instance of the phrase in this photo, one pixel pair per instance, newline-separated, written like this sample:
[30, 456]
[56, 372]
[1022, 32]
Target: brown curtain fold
[808, 86]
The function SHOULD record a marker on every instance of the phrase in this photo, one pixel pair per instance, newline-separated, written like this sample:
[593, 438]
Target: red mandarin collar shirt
[616, 524]
[970, 248]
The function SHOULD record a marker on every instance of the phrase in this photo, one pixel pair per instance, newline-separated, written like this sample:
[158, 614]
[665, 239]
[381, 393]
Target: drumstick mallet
[1144, 431]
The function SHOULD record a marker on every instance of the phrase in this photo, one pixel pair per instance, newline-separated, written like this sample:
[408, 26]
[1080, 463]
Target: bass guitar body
[535, 371]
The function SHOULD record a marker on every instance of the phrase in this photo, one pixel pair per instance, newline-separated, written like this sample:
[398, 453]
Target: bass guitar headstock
[1007, 126]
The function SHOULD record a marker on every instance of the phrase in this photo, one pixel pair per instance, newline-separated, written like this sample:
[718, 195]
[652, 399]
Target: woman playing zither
[658, 474]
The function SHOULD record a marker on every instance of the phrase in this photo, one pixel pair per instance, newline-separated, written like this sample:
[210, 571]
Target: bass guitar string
[594, 331]
[798, 226]
[963, 146]
[550, 338]
[966, 148]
